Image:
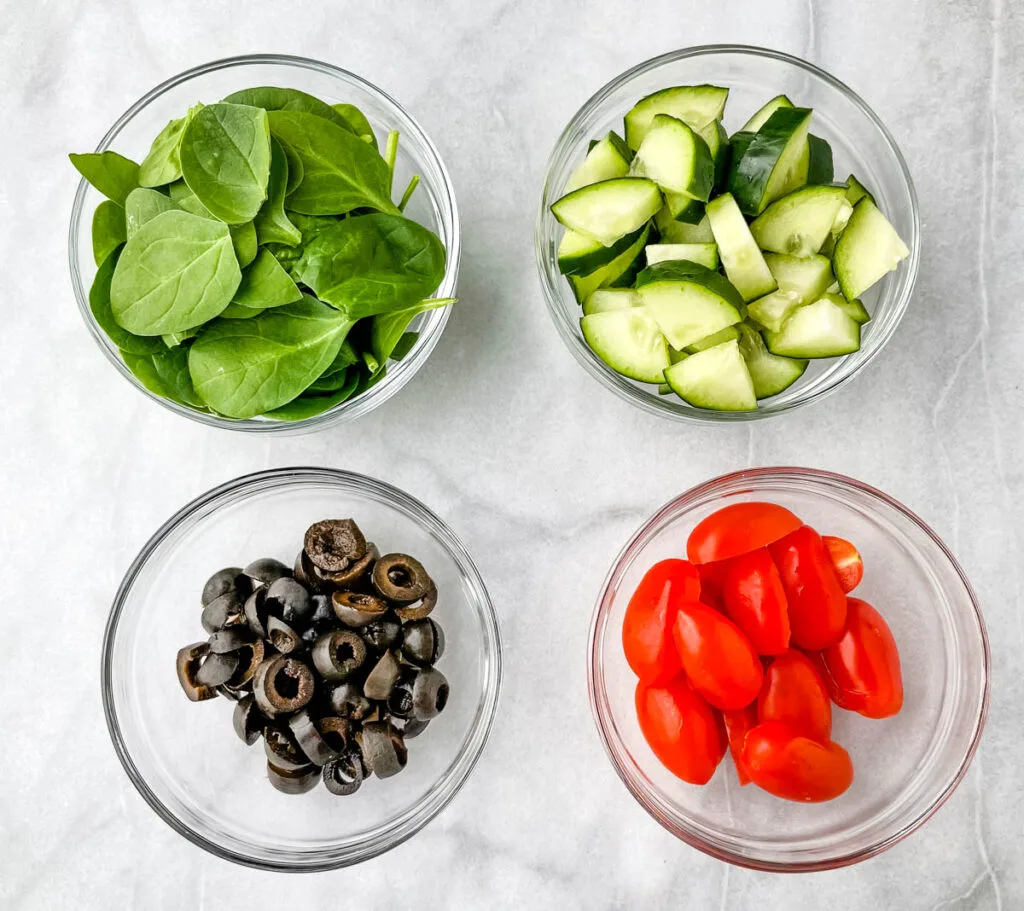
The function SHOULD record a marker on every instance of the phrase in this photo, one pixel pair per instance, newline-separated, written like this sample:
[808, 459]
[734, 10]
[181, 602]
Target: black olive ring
[401, 578]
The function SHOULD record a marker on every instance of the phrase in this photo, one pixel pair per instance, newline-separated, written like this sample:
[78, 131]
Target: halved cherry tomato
[712, 578]
[794, 693]
[794, 767]
[737, 529]
[864, 665]
[817, 605]
[647, 626]
[846, 561]
[738, 722]
[684, 732]
[718, 659]
[755, 601]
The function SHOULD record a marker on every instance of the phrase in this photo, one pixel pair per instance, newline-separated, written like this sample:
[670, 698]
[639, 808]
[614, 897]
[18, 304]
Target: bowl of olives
[300, 669]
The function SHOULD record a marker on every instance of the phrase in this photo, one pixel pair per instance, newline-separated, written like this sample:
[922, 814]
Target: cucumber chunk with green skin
[610, 209]
[716, 378]
[607, 159]
[718, 338]
[760, 116]
[677, 232]
[816, 330]
[854, 309]
[867, 250]
[770, 373]
[772, 310]
[580, 255]
[808, 277]
[675, 158]
[684, 208]
[742, 260]
[800, 222]
[695, 105]
[629, 342]
[775, 161]
[820, 169]
[703, 254]
[664, 389]
[604, 300]
[620, 271]
[838, 226]
[687, 310]
[856, 191]
[685, 270]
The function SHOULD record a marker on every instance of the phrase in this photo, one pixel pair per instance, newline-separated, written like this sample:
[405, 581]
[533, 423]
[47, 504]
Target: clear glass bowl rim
[410, 822]
[553, 284]
[752, 476]
[399, 373]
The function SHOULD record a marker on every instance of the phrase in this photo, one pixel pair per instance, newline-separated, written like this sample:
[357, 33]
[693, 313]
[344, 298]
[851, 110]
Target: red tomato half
[737, 529]
[794, 767]
[846, 561]
[719, 660]
[738, 722]
[681, 728]
[712, 579]
[755, 600]
[794, 693]
[817, 605]
[864, 665]
[647, 626]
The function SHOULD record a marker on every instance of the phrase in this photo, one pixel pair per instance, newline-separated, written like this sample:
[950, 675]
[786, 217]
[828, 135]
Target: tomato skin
[647, 625]
[794, 767]
[712, 580]
[755, 601]
[794, 693]
[737, 529]
[684, 732]
[738, 723]
[864, 665]
[718, 659]
[846, 561]
[817, 605]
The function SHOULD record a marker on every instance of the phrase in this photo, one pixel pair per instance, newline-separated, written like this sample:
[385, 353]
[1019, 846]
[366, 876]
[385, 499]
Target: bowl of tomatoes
[788, 669]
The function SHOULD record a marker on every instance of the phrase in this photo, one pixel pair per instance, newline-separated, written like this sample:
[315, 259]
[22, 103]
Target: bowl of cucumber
[726, 233]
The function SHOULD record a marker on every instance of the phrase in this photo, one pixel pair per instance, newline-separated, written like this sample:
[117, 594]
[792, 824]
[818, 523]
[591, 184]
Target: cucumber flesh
[703, 254]
[620, 271]
[716, 378]
[867, 249]
[808, 277]
[604, 300]
[815, 330]
[675, 158]
[838, 226]
[719, 338]
[744, 265]
[607, 159]
[856, 191]
[609, 210]
[800, 222]
[581, 255]
[770, 373]
[695, 105]
[854, 309]
[774, 163]
[688, 310]
[664, 389]
[629, 342]
[820, 169]
[772, 310]
[677, 232]
[684, 208]
[761, 116]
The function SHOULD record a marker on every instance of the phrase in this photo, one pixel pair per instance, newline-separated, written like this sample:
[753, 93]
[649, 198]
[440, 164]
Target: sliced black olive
[256, 612]
[345, 774]
[429, 693]
[413, 727]
[339, 655]
[421, 608]
[347, 701]
[223, 612]
[224, 581]
[266, 571]
[282, 636]
[334, 544]
[356, 609]
[381, 634]
[383, 749]
[282, 748]
[282, 685]
[336, 732]
[188, 663]
[400, 699]
[217, 669]
[321, 621]
[315, 748]
[230, 639]
[305, 573]
[298, 781]
[250, 657]
[382, 678]
[348, 578]
[401, 578]
[232, 692]
[289, 600]
[422, 642]
[248, 720]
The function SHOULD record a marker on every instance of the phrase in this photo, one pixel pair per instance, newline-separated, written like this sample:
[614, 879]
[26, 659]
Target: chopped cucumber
[820, 329]
[717, 138]
[838, 226]
[695, 105]
[856, 191]
[800, 222]
[774, 163]
[772, 310]
[867, 249]
[808, 277]
[704, 254]
[743, 262]
[716, 378]
[684, 208]
[820, 169]
[854, 309]
[604, 300]
[606, 160]
[610, 209]
[580, 255]
[690, 308]
[677, 232]
[675, 158]
[762, 114]
[719, 338]
[664, 389]
[629, 342]
[770, 373]
[620, 271]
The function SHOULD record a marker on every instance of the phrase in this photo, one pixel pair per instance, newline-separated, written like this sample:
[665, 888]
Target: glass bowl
[185, 759]
[432, 205]
[905, 766]
[861, 144]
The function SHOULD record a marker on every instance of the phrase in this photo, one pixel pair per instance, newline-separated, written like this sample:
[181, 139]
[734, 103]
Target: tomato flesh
[846, 562]
[755, 601]
[737, 529]
[681, 728]
[794, 693]
[794, 767]
[738, 722]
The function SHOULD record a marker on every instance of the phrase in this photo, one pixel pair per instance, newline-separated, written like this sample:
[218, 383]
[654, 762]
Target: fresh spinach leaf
[113, 175]
[272, 98]
[405, 344]
[99, 304]
[340, 171]
[165, 373]
[242, 368]
[237, 311]
[329, 381]
[162, 165]
[177, 272]
[185, 199]
[372, 264]
[295, 169]
[109, 230]
[265, 284]
[358, 123]
[285, 255]
[272, 224]
[173, 339]
[243, 239]
[388, 329]
[308, 405]
[225, 159]
[143, 205]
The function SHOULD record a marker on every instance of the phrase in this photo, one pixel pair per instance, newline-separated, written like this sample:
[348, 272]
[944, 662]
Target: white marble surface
[532, 462]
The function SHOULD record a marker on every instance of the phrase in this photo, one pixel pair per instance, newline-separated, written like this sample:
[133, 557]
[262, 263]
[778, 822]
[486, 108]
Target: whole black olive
[223, 612]
[347, 701]
[381, 634]
[317, 750]
[224, 581]
[400, 698]
[282, 685]
[282, 748]
[421, 608]
[334, 544]
[298, 781]
[289, 600]
[382, 678]
[188, 663]
[347, 578]
[230, 639]
[345, 774]
[429, 693]
[401, 578]
[422, 642]
[356, 609]
[248, 720]
[266, 571]
[282, 636]
[384, 751]
[338, 655]
[217, 669]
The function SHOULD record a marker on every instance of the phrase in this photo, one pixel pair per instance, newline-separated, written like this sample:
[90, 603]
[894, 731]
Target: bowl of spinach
[265, 243]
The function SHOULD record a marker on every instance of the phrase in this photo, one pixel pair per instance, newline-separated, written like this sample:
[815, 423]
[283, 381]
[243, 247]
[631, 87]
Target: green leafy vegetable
[162, 165]
[185, 199]
[243, 239]
[308, 406]
[113, 175]
[173, 339]
[99, 304]
[109, 230]
[271, 98]
[165, 373]
[265, 284]
[144, 205]
[357, 121]
[387, 330]
[272, 223]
